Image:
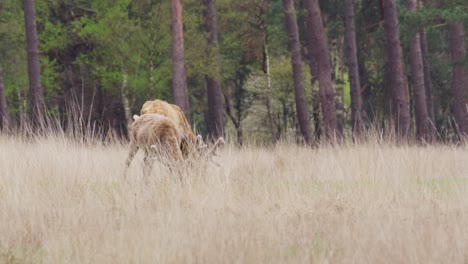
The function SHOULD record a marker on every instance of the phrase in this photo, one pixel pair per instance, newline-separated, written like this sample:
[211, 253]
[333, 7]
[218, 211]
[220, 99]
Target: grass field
[65, 202]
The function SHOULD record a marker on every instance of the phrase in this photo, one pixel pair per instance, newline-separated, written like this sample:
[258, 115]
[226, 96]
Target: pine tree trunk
[266, 69]
[296, 61]
[151, 79]
[427, 79]
[4, 115]
[239, 107]
[417, 76]
[366, 91]
[179, 79]
[317, 43]
[126, 104]
[35, 88]
[215, 120]
[313, 69]
[398, 84]
[353, 67]
[230, 112]
[459, 77]
[316, 114]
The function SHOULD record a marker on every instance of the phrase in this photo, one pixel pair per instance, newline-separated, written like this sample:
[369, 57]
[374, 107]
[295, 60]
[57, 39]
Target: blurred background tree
[101, 60]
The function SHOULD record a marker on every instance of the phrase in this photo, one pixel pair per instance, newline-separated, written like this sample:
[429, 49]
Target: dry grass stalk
[67, 202]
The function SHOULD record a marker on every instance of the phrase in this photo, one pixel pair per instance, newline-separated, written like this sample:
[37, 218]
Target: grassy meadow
[68, 202]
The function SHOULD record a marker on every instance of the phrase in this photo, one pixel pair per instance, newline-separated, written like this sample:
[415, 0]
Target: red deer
[190, 144]
[173, 112]
[158, 136]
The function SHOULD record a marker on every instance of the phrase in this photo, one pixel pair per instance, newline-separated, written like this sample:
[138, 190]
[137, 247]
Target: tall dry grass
[67, 202]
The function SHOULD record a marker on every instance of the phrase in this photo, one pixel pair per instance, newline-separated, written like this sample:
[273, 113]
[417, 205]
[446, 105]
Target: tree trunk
[4, 115]
[151, 79]
[179, 79]
[296, 61]
[266, 69]
[126, 104]
[417, 76]
[353, 68]
[366, 91]
[239, 108]
[35, 88]
[459, 77]
[215, 120]
[313, 69]
[398, 84]
[236, 120]
[317, 43]
[427, 82]
[316, 115]
[427, 79]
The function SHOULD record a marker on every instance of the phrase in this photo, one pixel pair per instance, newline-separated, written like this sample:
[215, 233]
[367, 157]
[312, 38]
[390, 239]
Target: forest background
[101, 60]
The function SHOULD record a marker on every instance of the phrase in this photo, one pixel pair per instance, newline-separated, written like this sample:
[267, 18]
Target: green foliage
[13, 54]
[283, 108]
[53, 37]
[49, 75]
[86, 47]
